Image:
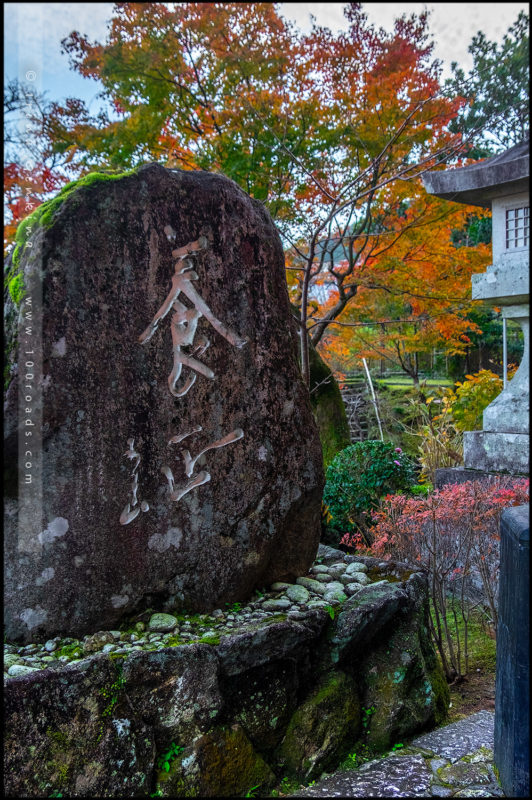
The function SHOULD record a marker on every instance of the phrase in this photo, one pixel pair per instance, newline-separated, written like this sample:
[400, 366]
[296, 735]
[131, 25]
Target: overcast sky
[33, 31]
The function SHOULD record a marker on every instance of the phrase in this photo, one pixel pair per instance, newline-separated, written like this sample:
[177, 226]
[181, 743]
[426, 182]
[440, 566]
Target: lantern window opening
[517, 227]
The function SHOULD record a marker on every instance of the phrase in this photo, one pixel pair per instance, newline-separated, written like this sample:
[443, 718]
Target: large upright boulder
[179, 461]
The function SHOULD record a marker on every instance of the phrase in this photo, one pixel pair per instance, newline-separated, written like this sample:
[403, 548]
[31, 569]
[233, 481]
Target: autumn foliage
[331, 131]
[452, 533]
[414, 293]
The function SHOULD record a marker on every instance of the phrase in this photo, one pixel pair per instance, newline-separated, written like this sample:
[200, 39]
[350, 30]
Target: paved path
[453, 761]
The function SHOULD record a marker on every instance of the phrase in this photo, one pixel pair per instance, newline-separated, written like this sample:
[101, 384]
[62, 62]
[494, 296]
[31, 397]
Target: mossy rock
[322, 729]
[406, 691]
[14, 280]
[462, 773]
[71, 734]
[43, 217]
[263, 699]
[221, 763]
[10, 326]
[328, 408]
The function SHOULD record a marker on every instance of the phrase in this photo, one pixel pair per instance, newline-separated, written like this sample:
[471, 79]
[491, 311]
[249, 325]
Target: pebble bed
[324, 586]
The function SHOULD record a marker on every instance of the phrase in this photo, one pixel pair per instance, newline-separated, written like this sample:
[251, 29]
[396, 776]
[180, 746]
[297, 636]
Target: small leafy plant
[355, 759]
[165, 759]
[351, 760]
[286, 786]
[366, 716]
[330, 611]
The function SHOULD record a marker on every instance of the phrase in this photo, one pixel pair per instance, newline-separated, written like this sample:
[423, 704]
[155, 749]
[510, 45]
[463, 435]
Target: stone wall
[285, 686]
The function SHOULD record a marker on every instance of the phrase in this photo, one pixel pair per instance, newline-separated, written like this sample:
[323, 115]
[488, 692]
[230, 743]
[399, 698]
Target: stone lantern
[503, 445]
[502, 183]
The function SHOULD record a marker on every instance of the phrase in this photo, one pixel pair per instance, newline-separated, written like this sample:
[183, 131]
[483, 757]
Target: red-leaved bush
[453, 533]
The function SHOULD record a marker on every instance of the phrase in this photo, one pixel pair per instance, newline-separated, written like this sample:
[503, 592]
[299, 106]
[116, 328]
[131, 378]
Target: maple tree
[218, 86]
[391, 124]
[413, 299]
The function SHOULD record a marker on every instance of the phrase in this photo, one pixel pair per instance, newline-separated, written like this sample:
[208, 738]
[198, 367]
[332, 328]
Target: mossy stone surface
[221, 763]
[86, 743]
[328, 408]
[322, 728]
[224, 717]
[404, 682]
[44, 214]
[464, 772]
[263, 700]
[43, 217]
[105, 265]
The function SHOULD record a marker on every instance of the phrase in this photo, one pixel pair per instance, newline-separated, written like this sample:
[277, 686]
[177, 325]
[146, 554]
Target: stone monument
[502, 183]
[161, 441]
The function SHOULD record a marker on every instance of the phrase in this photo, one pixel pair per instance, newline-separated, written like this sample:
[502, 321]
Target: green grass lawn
[400, 382]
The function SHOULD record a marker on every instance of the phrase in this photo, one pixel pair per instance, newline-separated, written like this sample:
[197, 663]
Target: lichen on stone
[319, 729]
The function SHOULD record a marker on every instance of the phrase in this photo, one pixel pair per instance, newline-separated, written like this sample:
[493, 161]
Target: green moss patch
[221, 763]
[43, 216]
[71, 650]
[210, 640]
[16, 289]
[174, 641]
[322, 728]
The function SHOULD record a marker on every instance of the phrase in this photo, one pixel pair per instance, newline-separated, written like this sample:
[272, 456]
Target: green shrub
[357, 478]
[421, 489]
[472, 397]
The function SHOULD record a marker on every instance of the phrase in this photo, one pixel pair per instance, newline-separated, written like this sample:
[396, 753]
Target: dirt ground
[475, 693]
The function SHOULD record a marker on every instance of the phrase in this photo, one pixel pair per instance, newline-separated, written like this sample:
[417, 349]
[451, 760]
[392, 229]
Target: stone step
[456, 760]
[358, 408]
